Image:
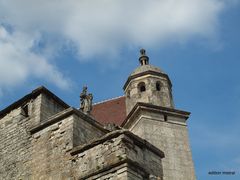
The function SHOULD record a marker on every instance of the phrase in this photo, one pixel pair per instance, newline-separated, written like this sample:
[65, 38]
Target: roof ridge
[106, 100]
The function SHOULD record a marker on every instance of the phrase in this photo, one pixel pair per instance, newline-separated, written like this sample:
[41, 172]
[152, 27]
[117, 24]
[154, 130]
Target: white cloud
[102, 26]
[17, 62]
[94, 27]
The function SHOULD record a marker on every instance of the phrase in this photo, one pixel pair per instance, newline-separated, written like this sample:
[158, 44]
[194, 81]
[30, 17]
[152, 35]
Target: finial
[143, 59]
[143, 52]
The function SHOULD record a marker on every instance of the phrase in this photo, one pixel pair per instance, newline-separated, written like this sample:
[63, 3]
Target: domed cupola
[148, 84]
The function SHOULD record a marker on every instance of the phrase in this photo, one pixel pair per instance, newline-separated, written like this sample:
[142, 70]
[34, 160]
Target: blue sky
[72, 43]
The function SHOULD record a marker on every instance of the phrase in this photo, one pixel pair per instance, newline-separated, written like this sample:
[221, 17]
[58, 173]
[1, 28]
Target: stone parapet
[63, 114]
[120, 150]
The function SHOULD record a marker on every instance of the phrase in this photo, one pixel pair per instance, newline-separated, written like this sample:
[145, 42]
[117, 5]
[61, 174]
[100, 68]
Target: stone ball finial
[143, 52]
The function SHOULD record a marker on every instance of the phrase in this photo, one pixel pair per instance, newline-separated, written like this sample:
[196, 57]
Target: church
[137, 136]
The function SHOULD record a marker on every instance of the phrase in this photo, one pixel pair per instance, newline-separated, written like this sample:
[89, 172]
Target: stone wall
[50, 147]
[43, 141]
[15, 139]
[49, 107]
[41, 108]
[83, 132]
[117, 156]
[122, 172]
[53, 140]
[35, 139]
[34, 110]
[15, 146]
[163, 97]
[171, 136]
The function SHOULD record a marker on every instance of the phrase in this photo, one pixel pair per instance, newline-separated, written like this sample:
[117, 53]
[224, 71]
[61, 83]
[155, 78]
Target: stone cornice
[136, 139]
[63, 114]
[153, 108]
[129, 162]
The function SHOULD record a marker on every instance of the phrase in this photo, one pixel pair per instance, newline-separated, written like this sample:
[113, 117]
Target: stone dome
[145, 68]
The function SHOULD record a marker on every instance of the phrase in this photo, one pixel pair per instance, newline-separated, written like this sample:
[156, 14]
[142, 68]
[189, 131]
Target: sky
[65, 45]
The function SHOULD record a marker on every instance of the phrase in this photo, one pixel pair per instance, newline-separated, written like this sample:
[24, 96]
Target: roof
[110, 111]
[30, 96]
[144, 68]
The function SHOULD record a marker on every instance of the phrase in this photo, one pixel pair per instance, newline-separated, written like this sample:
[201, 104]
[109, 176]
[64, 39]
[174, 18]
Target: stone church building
[136, 136]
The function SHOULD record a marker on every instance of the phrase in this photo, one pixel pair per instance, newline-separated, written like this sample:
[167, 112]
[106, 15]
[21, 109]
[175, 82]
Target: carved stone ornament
[86, 101]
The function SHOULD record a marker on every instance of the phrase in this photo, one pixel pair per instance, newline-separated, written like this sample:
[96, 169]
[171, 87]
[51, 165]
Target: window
[25, 110]
[165, 117]
[158, 87]
[141, 87]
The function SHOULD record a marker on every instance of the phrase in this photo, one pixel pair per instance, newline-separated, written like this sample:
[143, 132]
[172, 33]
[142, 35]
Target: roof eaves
[146, 73]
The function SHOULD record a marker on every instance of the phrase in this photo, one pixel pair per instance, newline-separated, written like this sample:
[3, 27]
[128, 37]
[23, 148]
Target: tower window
[158, 87]
[142, 87]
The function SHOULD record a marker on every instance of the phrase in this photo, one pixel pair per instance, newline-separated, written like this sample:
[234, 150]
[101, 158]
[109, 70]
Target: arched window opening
[142, 87]
[158, 87]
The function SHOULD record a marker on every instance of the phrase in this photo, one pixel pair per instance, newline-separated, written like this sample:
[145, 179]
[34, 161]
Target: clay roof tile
[110, 111]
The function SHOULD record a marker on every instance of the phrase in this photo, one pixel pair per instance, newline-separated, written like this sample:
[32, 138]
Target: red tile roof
[110, 111]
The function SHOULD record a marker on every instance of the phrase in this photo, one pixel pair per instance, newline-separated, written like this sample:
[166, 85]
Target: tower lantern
[148, 84]
[143, 59]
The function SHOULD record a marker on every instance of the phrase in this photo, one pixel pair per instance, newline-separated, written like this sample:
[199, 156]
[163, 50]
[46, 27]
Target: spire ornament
[143, 59]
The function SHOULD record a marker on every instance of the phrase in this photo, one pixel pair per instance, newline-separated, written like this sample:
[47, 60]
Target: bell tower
[148, 84]
[152, 116]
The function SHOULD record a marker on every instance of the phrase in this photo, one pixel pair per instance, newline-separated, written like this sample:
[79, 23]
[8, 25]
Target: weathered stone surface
[37, 145]
[41, 137]
[120, 150]
[47, 151]
[14, 147]
[151, 115]
[167, 131]
[161, 97]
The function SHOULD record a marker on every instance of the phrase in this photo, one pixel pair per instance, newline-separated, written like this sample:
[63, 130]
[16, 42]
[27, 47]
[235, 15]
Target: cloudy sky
[64, 45]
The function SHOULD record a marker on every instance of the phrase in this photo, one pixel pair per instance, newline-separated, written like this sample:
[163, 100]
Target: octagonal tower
[152, 116]
[148, 84]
